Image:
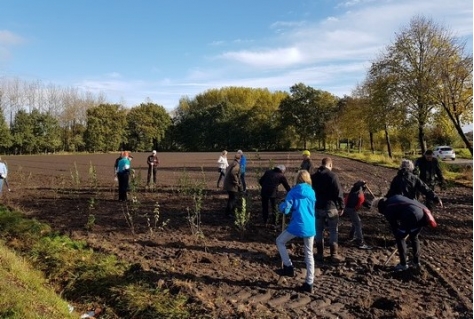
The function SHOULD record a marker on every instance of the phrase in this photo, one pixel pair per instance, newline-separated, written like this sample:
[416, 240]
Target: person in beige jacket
[232, 185]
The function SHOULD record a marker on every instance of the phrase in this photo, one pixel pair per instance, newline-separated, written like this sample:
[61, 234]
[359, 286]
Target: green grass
[451, 172]
[24, 292]
[82, 275]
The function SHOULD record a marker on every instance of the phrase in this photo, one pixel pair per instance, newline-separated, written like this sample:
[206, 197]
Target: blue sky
[133, 51]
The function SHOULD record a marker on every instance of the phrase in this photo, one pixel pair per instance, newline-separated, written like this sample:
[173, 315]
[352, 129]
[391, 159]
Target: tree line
[417, 93]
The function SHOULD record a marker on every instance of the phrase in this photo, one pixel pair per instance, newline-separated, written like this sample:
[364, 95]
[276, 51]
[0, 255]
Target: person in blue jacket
[123, 175]
[300, 202]
[243, 166]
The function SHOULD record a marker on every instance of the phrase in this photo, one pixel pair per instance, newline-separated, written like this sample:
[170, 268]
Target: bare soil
[229, 274]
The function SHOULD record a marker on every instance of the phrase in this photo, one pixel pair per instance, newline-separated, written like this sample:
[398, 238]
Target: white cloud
[268, 58]
[8, 38]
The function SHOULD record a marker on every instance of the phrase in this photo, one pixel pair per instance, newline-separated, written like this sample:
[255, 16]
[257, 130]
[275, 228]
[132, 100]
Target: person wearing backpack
[353, 203]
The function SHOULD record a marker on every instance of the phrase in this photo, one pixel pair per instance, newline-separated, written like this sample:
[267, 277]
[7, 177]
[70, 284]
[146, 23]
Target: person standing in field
[427, 168]
[222, 166]
[3, 174]
[153, 161]
[300, 202]
[232, 185]
[123, 175]
[269, 182]
[243, 168]
[307, 164]
[329, 206]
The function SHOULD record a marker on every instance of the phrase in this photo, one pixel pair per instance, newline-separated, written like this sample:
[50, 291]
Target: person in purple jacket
[300, 202]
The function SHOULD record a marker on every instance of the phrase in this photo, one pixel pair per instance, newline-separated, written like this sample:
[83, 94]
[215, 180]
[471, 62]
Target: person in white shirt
[223, 164]
[3, 174]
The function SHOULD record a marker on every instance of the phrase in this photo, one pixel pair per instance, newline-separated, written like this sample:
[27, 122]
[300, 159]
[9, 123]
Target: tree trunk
[371, 137]
[455, 121]
[387, 140]
[421, 138]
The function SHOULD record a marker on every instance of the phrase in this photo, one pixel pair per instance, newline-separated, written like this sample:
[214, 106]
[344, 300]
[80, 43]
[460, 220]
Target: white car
[444, 152]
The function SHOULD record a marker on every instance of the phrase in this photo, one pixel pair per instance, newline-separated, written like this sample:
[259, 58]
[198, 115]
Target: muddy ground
[230, 274]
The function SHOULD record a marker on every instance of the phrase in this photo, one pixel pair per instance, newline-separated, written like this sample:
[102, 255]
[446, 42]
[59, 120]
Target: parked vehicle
[444, 152]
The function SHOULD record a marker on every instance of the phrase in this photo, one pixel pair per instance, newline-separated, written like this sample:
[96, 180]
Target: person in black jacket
[329, 206]
[270, 181]
[427, 168]
[406, 218]
[408, 184]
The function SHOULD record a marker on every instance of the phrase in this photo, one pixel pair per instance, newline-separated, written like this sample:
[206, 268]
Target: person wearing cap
[232, 185]
[269, 183]
[123, 175]
[307, 164]
[406, 218]
[427, 168]
[243, 167]
[222, 166]
[353, 203]
[408, 184]
[329, 206]
[300, 202]
[153, 161]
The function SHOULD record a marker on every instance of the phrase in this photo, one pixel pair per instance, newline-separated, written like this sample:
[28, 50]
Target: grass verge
[453, 173]
[81, 276]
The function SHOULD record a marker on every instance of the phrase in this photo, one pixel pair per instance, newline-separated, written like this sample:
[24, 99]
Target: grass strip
[81, 276]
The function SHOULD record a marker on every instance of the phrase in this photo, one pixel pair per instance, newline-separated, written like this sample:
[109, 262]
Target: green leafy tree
[46, 130]
[22, 128]
[146, 126]
[454, 93]
[105, 130]
[307, 110]
[6, 139]
[414, 60]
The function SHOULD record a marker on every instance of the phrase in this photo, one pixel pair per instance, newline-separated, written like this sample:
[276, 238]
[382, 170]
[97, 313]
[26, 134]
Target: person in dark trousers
[123, 175]
[329, 206]
[300, 202]
[427, 168]
[408, 184]
[232, 185]
[269, 182]
[307, 164]
[153, 161]
[406, 217]
[243, 169]
[353, 203]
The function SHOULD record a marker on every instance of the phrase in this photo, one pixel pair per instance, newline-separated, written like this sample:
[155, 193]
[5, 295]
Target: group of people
[123, 171]
[316, 202]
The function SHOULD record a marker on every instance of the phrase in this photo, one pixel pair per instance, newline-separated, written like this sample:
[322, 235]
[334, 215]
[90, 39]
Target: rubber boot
[335, 257]
[319, 251]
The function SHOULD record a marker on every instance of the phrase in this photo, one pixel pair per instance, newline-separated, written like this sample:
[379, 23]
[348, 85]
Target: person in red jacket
[353, 203]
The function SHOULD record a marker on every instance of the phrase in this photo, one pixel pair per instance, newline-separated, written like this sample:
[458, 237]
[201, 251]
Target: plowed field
[230, 274]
